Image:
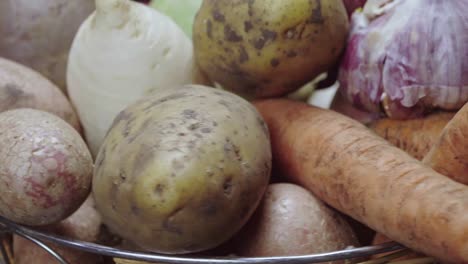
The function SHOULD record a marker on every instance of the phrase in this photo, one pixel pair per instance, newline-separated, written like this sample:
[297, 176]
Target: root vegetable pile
[177, 128]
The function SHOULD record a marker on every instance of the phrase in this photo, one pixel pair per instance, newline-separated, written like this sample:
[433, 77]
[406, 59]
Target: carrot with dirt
[415, 136]
[449, 154]
[409, 254]
[361, 174]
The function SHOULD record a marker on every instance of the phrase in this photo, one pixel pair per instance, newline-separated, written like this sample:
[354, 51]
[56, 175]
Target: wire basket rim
[95, 248]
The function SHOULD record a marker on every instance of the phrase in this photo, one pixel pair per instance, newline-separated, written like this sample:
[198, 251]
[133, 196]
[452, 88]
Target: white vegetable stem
[108, 6]
[114, 13]
[122, 52]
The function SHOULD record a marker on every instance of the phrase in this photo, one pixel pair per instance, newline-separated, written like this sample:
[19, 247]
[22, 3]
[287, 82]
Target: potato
[126, 261]
[82, 225]
[183, 170]
[266, 48]
[21, 87]
[39, 33]
[291, 221]
[46, 168]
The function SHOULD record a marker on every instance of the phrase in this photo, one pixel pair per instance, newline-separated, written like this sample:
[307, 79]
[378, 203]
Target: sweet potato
[352, 169]
[415, 136]
[449, 155]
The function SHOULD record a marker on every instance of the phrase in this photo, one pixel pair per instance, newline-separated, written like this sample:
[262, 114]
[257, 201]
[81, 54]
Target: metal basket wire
[9, 227]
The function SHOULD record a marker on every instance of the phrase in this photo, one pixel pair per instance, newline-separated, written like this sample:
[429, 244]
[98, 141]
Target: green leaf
[181, 11]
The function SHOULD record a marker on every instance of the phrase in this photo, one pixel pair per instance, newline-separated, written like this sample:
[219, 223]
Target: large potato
[291, 221]
[22, 87]
[45, 170]
[265, 48]
[82, 225]
[182, 171]
[39, 33]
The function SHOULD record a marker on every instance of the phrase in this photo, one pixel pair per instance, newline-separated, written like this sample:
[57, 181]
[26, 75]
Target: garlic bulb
[407, 57]
[122, 52]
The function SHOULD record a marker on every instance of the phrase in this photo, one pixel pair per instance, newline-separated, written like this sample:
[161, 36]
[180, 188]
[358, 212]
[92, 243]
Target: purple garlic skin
[407, 57]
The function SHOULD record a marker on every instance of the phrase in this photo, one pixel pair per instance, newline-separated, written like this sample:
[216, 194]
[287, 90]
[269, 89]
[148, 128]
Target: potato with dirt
[182, 171]
[291, 221]
[22, 87]
[264, 48]
[83, 225]
[46, 168]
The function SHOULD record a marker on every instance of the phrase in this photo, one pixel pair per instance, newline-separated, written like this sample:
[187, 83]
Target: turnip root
[122, 52]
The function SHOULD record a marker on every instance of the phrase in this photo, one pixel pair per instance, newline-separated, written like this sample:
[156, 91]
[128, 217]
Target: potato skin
[46, 168]
[182, 171]
[126, 261]
[291, 221]
[82, 225]
[267, 48]
[22, 87]
[39, 33]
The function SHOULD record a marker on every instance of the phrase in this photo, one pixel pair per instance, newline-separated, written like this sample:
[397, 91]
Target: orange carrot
[449, 155]
[359, 173]
[415, 136]
[449, 152]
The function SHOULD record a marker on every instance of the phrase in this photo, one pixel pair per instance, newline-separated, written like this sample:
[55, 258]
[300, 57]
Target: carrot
[449, 152]
[449, 155]
[359, 173]
[415, 136]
